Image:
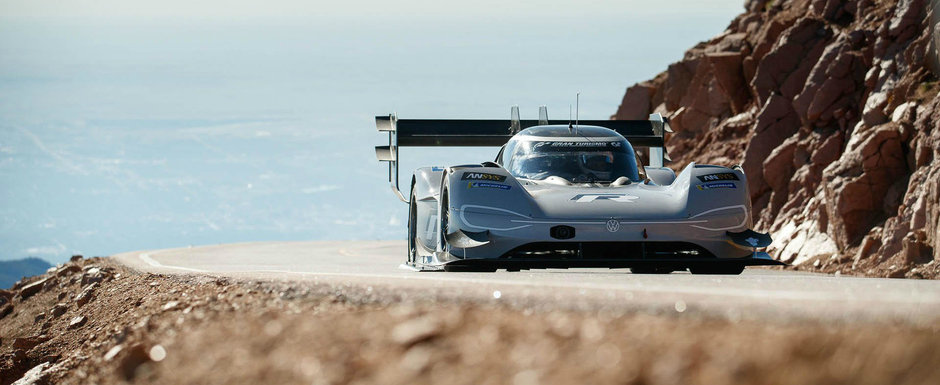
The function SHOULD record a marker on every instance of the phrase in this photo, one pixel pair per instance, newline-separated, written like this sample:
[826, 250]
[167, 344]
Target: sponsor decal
[488, 185]
[436, 169]
[709, 186]
[717, 177]
[613, 225]
[482, 176]
[576, 146]
[587, 198]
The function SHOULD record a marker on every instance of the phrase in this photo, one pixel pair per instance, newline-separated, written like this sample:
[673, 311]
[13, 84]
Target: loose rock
[67, 269]
[36, 375]
[172, 305]
[113, 352]
[6, 296]
[58, 310]
[78, 322]
[86, 295]
[92, 275]
[27, 343]
[416, 330]
[31, 289]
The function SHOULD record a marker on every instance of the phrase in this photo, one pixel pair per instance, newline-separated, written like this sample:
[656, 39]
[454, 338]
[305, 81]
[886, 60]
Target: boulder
[775, 123]
[636, 102]
[828, 151]
[778, 167]
[869, 246]
[785, 68]
[832, 89]
[907, 16]
[728, 71]
[704, 97]
[728, 43]
[857, 183]
[679, 76]
[915, 249]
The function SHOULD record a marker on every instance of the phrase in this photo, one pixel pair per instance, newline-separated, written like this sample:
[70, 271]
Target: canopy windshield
[576, 161]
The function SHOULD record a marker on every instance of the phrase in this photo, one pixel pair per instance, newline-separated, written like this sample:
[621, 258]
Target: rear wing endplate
[494, 133]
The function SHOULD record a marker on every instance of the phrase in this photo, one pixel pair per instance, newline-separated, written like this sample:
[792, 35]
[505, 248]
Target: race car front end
[639, 226]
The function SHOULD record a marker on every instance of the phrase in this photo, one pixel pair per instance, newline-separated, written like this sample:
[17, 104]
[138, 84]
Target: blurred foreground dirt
[93, 321]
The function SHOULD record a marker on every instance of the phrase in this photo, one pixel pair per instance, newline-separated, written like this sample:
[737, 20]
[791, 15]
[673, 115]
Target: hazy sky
[117, 10]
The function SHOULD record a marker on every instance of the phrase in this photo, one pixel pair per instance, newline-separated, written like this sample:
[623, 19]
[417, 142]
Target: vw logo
[613, 225]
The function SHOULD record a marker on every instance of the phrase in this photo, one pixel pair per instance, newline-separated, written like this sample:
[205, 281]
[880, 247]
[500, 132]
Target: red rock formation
[833, 111]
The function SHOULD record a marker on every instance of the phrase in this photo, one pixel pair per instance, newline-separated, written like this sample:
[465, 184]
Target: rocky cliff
[832, 108]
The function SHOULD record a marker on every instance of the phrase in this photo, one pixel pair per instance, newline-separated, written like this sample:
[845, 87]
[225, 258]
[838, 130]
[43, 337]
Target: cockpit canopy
[587, 155]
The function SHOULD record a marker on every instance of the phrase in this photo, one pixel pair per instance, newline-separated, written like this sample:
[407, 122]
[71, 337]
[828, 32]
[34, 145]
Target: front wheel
[715, 270]
[469, 269]
[444, 215]
[650, 270]
[445, 247]
[412, 231]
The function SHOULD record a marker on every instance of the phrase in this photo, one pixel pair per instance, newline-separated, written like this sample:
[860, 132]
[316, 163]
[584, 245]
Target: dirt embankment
[833, 111]
[92, 321]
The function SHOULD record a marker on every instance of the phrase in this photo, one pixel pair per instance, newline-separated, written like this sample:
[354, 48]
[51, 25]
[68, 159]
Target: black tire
[650, 270]
[469, 269]
[717, 270]
[445, 220]
[412, 231]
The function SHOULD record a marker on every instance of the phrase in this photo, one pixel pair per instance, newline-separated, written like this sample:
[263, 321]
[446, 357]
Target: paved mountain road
[761, 294]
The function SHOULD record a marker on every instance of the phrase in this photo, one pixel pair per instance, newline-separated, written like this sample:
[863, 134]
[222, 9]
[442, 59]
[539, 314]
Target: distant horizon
[369, 10]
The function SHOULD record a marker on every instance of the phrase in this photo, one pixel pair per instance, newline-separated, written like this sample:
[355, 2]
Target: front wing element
[758, 259]
[750, 239]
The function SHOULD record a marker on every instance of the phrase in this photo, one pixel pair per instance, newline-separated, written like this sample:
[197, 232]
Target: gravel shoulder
[96, 321]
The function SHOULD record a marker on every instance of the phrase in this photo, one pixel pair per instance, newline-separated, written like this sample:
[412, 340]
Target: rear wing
[494, 133]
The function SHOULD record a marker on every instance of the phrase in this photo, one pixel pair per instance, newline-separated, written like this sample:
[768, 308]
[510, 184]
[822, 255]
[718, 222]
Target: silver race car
[570, 194]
